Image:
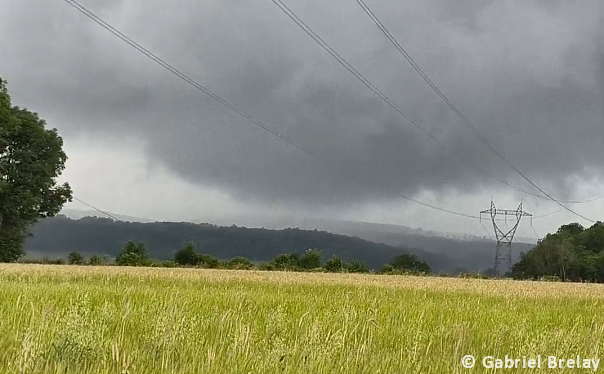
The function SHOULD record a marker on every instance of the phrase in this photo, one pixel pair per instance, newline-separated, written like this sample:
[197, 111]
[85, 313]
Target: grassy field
[68, 319]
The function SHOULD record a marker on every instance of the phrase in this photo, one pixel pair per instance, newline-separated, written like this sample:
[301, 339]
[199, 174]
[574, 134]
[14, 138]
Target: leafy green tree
[389, 269]
[286, 262]
[75, 258]
[311, 259]
[357, 267]
[133, 254]
[571, 229]
[409, 263]
[572, 253]
[593, 238]
[186, 255]
[334, 265]
[31, 160]
[208, 261]
[240, 263]
[169, 264]
[97, 260]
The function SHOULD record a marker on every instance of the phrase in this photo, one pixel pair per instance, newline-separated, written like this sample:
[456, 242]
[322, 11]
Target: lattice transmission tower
[503, 251]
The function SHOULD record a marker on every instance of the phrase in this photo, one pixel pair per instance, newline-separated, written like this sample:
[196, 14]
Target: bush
[75, 258]
[186, 255]
[153, 263]
[550, 278]
[241, 263]
[97, 260]
[208, 261]
[408, 263]
[169, 264]
[285, 262]
[311, 259]
[389, 269]
[357, 267]
[133, 254]
[334, 265]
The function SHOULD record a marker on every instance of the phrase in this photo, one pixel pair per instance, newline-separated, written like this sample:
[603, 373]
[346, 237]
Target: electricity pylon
[504, 239]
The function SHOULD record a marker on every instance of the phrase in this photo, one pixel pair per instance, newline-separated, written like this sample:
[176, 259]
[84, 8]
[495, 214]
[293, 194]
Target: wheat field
[70, 319]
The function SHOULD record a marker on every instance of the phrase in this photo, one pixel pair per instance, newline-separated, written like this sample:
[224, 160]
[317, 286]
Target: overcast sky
[528, 75]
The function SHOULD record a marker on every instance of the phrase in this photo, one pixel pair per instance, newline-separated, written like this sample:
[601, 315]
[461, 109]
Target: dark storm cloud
[529, 77]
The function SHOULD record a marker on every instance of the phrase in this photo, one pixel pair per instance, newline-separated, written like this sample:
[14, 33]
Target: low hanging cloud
[529, 76]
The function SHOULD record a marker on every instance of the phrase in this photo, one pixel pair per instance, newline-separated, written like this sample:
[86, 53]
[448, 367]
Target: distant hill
[465, 252]
[60, 235]
[353, 228]
[80, 213]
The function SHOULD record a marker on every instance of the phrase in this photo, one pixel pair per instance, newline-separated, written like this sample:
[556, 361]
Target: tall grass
[67, 319]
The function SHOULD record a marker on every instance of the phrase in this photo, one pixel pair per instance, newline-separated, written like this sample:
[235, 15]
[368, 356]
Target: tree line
[572, 253]
[60, 235]
[135, 254]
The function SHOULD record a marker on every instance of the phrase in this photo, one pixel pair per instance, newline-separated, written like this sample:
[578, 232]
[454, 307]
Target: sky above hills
[141, 142]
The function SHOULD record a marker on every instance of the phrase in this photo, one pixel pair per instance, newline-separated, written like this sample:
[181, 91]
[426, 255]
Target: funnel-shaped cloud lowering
[530, 77]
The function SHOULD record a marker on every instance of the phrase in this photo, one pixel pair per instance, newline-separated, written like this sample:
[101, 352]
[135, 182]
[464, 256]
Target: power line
[440, 209]
[179, 74]
[317, 38]
[547, 214]
[487, 231]
[536, 235]
[459, 213]
[187, 79]
[464, 119]
[97, 209]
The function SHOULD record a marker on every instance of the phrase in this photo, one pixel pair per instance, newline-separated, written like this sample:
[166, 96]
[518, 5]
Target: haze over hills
[352, 228]
[468, 252]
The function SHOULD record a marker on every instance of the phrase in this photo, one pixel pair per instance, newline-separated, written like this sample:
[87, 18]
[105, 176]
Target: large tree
[573, 253]
[31, 160]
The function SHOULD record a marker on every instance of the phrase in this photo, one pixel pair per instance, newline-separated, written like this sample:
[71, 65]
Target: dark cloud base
[546, 116]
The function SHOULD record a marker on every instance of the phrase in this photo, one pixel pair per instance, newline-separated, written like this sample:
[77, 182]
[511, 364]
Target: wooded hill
[573, 253]
[60, 235]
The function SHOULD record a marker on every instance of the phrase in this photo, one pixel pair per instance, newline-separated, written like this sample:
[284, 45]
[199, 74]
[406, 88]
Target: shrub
[285, 262]
[208, 261]
[240, 263]
[97, 260]
[186, 255]
[357, 267]
[334, 265]
[388, 269]
[133, 254]
[75, 258]
[550, 278]
[311, 259]
[410, 263]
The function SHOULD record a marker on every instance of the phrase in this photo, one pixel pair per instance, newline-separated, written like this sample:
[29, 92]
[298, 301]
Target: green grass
[67, 319]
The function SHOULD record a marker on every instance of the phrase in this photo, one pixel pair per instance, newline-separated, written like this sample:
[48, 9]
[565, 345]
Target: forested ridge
[572, 253]
[91, 235]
